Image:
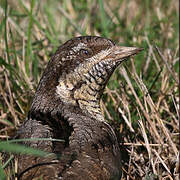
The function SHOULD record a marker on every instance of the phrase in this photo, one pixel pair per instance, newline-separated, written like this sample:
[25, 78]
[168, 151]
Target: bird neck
[84, 89]
[84, 94]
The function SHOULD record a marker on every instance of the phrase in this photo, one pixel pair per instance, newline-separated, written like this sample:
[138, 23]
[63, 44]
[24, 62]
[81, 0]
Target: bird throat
[84, 89]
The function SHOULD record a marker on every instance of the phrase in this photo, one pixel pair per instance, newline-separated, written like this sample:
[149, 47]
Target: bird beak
[119, 53]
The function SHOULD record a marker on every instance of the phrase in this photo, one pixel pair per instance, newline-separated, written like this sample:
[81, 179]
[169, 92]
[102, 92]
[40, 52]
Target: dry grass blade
[15, 25]
[65, 14]
[123, 71]
[126, 120]
[143, 144]
[176, 107]
[163, 163]
[154, 57]
[146, 143]
[11, 109]
[154, 111]
[167, 65]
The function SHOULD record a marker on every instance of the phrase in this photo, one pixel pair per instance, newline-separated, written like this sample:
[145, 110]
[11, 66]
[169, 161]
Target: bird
[66, 106]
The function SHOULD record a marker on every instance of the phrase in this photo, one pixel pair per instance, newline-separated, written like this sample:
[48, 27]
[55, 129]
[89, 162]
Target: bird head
[78, 73]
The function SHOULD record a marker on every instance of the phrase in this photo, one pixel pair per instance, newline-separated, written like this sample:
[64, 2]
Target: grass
[141, 99]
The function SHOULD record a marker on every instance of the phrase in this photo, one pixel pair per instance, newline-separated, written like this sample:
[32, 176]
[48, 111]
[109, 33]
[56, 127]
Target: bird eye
[84, 52]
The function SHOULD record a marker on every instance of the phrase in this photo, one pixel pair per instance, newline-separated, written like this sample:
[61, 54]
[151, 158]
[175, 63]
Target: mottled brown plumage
[66, 106]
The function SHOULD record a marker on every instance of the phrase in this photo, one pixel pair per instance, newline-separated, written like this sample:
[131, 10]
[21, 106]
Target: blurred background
[141, 99]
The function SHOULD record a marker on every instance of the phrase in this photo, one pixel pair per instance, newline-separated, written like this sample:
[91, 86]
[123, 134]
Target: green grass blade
[5, 32]
[8, 161]
[21, 149]
[2, 173]
[103, 19]
[29, 47]
[35, 139]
